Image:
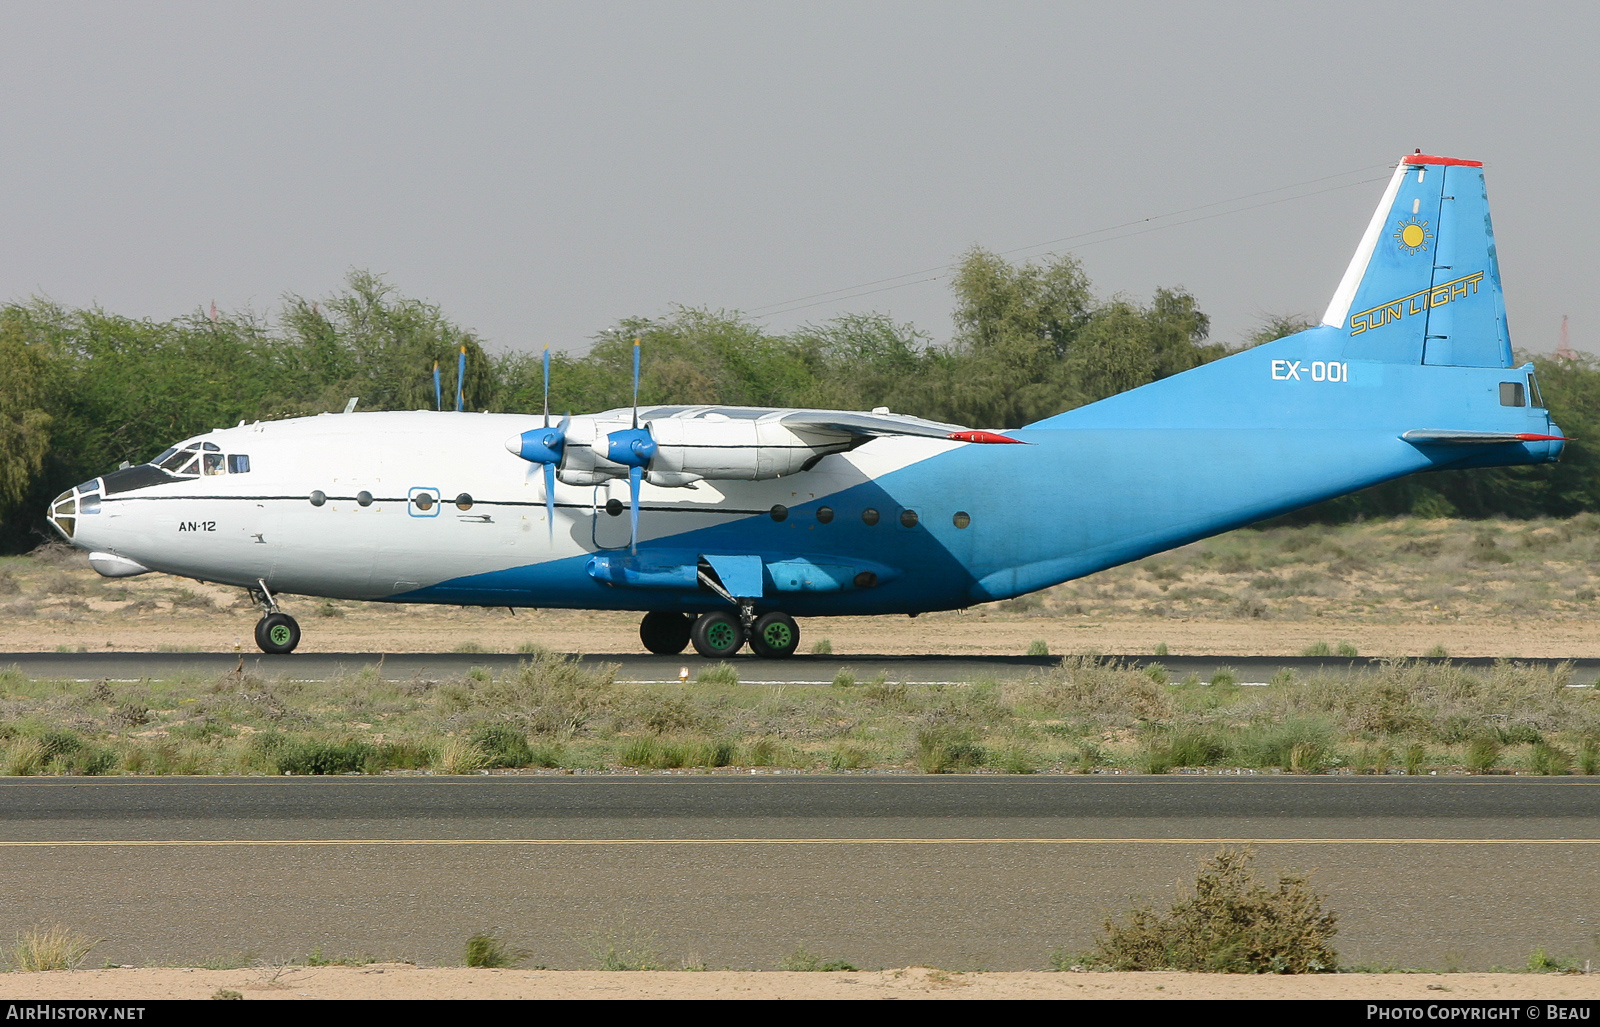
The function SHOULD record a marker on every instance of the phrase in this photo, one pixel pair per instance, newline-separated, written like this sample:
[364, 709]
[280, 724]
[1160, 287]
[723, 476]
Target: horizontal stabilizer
[1428, 437]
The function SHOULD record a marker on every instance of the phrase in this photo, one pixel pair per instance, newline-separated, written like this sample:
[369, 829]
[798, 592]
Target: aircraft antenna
[461, 376]
[438, 396]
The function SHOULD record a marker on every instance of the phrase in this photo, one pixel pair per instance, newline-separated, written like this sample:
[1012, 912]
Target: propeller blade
[461, 376]
[550, 499]
[438, 397]
[636, 383]
[634, 474]
[547, 386]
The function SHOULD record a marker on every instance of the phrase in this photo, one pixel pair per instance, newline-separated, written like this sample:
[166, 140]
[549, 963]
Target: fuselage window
[364, 498]
[869, 517]
[213, 463]
[908, 518]
[238, 463]
[424, 501]
[614, 507]
[318, 497]
[463, 502]
[824, 515]
[779, 512]
[1511, 395]
[961, 519]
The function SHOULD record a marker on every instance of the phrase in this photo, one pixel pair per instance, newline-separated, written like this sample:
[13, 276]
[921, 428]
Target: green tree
[24, 423]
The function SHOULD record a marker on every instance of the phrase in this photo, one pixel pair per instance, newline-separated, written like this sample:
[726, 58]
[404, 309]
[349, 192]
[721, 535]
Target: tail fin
[1424, 285]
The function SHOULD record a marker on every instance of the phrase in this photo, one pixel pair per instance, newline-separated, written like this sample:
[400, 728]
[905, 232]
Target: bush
[1551, 761]
[1303, 746]
[502, 745]
[1230, 924]
[941, 750]
[485, 950]
[1197, 747]
[803, 961]
[1482, 754]
[310, 756]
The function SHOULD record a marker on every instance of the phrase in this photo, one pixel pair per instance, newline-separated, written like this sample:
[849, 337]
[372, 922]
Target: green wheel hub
[280, 634]
[722, 637]
[778, 635]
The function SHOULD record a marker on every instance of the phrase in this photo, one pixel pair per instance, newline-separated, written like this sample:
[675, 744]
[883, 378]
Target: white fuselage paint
[237, 529]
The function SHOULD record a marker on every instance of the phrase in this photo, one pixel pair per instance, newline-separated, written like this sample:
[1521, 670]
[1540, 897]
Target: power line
[851, 291]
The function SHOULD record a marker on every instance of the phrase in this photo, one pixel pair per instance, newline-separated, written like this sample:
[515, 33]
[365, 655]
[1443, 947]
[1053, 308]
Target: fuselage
[424, 506]
[826, 512]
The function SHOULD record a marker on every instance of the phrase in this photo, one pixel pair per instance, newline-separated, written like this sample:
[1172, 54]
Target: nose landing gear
[277, 633]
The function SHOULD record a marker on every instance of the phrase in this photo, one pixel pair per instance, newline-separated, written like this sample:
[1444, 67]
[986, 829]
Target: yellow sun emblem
[1412, 235]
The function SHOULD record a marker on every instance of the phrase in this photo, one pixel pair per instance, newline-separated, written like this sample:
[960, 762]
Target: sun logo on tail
[1412, 235]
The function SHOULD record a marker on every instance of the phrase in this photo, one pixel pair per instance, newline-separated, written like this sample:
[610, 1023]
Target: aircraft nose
[68, 510]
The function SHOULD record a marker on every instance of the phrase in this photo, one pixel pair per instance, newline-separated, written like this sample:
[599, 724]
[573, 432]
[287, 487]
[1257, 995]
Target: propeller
[544, 446]
[461, 376]
[438, 397]
[633, 448]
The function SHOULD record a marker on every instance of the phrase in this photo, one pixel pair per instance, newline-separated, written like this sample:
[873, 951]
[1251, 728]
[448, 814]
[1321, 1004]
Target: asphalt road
[959, 872]
[644, 667]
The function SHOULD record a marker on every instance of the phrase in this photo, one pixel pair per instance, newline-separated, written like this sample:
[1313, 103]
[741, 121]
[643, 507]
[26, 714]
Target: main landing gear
[277, 633]
[720, 633]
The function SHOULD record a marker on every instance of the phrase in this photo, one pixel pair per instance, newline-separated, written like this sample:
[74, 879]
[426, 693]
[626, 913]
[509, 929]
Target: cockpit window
[183, 461]
[202, 458]
[1533, 391]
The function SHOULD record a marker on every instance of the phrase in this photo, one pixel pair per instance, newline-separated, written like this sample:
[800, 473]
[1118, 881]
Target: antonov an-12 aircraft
[723, 524]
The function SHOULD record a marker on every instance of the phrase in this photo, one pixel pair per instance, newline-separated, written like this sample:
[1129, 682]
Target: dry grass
[50, 948]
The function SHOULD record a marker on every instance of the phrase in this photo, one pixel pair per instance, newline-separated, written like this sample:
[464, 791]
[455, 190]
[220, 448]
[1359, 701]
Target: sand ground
[401, 981]
[375, 628]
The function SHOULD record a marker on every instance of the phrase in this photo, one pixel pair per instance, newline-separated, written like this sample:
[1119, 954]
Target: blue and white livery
[723, 524]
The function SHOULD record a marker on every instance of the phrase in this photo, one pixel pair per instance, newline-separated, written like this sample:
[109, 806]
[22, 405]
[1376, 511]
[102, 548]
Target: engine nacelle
[688, 449]
[719, 447]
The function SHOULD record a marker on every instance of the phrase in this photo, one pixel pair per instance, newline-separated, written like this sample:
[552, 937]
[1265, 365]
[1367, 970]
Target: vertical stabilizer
[1424, 285]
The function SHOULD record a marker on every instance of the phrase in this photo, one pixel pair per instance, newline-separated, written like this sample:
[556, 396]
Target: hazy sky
[541, 170]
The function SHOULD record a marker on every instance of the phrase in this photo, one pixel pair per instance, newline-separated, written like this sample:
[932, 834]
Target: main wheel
[717, 634]
[277, 633]
[774, 635]
[665, 633]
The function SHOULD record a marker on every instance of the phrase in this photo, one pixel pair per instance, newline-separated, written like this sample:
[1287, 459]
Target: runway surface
[644, 667]
[958, 872]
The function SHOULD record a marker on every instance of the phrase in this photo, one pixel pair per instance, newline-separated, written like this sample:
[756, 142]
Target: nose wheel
[277, 633]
